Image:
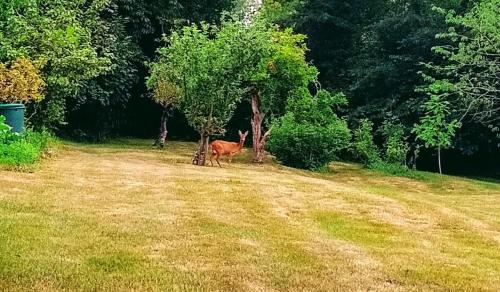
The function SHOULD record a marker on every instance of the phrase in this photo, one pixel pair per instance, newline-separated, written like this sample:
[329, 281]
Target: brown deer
[230, 149]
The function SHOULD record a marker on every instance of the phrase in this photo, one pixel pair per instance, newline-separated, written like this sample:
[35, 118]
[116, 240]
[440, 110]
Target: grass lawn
[123, 216]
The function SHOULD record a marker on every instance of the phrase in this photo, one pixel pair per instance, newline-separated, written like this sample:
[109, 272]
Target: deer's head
[243, 136]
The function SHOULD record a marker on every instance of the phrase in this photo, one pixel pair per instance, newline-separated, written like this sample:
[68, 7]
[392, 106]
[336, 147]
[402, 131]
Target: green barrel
[14, 113]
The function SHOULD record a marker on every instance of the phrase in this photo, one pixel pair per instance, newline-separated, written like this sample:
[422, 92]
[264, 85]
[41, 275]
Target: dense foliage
[375, 51]
[310, 135]
[59, 36]
[91, 54]
[86, 60]
[470, 79]
[365, 148]
[396, 147]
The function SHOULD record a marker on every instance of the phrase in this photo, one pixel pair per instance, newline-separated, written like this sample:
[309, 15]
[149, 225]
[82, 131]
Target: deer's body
[224, 148]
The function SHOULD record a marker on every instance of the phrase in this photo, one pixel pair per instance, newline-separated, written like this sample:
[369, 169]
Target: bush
[20, 82]
[307, 145]
[364, 147]
[396, 149]
[18, 153]
[40, 140]
[310, 134]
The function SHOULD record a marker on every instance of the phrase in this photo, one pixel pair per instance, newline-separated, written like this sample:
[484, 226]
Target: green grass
[358, 231]
[127, 217]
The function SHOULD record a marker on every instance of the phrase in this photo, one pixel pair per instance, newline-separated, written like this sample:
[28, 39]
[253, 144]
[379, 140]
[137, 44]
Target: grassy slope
[125, 217]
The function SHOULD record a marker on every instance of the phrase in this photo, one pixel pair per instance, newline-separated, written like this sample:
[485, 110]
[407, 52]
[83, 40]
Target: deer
[224, 148]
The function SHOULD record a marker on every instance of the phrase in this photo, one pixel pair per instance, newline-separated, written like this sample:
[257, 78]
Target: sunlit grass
[358, 231]
[126, 216]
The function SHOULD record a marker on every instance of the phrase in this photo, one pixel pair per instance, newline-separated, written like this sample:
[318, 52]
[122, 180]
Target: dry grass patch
[124, 216]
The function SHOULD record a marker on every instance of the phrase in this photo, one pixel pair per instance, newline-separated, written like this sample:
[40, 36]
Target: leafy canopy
[201, 66]
[58, 35]
[469, 77]
[207, 70]
[283, 71]
[434, 129]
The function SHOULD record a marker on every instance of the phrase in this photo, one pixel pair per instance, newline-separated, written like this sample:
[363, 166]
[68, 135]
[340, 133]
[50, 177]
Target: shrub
[41, 140]
[396, 149]
[20, 82]
[19, 153]
[397, 170]
[21, 150]
[310, 135]
[364, 147]
[306, 145]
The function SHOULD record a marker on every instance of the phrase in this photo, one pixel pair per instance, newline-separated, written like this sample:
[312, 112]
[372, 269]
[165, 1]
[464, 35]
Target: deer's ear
[246, 133]
[239, 132]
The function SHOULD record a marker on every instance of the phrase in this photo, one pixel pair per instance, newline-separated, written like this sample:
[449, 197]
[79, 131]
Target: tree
[434, 129]
[98, 110]
[279, 69]
[472, 63]
[255, 45]
[55, 34]
[204, 66]
[166, 93]
[275, 68]
[261, 60]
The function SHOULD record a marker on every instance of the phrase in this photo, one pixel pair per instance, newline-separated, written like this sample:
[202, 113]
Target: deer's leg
[231, 158]
[217, 159]
[211, 156]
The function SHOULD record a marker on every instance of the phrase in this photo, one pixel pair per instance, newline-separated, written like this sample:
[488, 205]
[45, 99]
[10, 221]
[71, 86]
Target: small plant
[6, 134]
[20, 82]
[18, 150]
[41, 140]
[364, 146]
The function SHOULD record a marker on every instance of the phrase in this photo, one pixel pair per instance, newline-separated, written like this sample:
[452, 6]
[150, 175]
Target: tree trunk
[162, 136]
[259, 140]
[200, 155]
[416, 154]
[439, 160]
